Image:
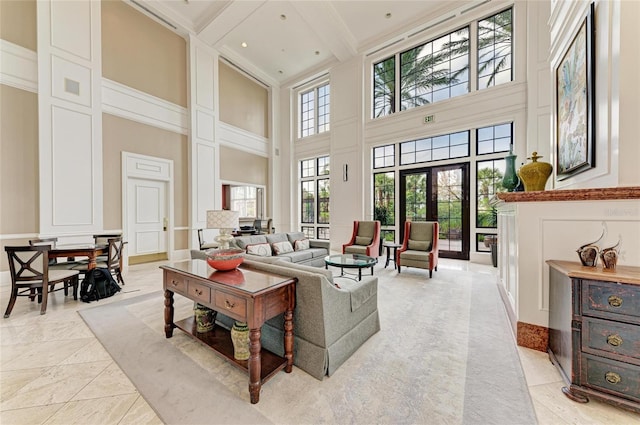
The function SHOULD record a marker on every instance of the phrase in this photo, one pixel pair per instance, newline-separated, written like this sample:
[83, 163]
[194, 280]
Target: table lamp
[225, 221]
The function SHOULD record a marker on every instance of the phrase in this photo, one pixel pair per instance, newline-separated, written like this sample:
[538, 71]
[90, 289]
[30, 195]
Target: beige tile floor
[41, 383]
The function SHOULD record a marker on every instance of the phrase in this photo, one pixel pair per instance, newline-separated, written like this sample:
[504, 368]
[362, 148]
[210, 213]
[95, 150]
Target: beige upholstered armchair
[364, 240]
[420, 246]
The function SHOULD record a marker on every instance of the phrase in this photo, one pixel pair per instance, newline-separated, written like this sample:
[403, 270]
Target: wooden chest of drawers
[594, 332]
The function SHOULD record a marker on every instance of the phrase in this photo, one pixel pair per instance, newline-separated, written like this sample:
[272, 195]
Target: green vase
[205, 318]
[240, 340]
[510, 180]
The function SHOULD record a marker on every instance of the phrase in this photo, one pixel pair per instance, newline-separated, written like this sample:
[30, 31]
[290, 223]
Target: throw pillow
[419, 245]
[301, 244]
[282, 247]
[261, 249]
[362, 240]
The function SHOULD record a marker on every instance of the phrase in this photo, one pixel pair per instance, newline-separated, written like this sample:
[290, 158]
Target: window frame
[316, 87]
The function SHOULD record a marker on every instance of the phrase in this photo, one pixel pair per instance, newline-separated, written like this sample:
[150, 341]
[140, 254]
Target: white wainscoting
[243, 140]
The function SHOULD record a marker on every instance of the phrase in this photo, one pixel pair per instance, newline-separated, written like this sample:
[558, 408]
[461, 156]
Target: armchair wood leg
[430, 273]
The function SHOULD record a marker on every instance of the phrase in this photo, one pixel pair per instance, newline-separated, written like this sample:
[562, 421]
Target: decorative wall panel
[70, 81]
[71, 27]
[72, 175]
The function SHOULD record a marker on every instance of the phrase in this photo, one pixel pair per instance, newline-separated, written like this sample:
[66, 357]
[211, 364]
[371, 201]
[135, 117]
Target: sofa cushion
[261, 249]
[355, 249]
[419, 245]
[297, 256]
[294, 236]
[243, 241]
[317, 252]
[276, 237]
[282, 247]
[363, 240]
[415, 255]
[301, 244]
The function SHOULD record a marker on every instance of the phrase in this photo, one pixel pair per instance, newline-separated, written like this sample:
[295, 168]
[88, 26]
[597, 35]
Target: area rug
[445, 355]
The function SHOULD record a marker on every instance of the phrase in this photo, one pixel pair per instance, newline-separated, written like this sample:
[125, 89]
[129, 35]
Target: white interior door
[147, 216]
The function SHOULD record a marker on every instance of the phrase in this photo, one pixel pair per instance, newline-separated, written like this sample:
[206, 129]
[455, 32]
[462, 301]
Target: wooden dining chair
[53, 261]
[103, 239]
[30, 275]
[113, 260]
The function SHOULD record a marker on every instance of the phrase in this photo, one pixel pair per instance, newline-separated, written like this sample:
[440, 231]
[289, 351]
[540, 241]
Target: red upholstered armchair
[364, 240]
[420, 246]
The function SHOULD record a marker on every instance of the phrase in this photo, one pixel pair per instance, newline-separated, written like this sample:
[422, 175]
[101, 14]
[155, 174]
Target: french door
[439, 194]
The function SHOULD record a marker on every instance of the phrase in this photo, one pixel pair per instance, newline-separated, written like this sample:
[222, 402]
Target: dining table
[89, 250]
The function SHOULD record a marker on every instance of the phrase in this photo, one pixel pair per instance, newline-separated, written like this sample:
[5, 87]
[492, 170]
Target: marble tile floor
[41, 382]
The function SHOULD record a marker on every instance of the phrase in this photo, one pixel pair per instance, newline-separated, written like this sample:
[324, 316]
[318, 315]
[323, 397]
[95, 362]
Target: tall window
[494, 49]
[435, 71]
[441, 69]
[244, 200]
[384, 203]
[489, 174]
[314, 110]
[314, 197]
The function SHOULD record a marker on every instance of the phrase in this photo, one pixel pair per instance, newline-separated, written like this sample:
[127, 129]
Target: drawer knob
[615, 301]
[614, 340]
[612, 377]
[229, 305]
[174, 282]
[198, 291]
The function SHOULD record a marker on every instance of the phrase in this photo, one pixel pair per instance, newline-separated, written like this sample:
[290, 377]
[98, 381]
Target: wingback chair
[364, 240]
[420, 246]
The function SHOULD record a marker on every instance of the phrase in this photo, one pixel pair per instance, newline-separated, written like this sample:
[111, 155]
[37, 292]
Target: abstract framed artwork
[575, 106]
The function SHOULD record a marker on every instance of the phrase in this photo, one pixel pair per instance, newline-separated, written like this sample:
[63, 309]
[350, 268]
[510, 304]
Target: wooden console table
[594, 332]
[244, 295]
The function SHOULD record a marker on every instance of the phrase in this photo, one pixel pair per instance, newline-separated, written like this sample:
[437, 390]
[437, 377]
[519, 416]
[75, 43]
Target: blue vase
[510, 180]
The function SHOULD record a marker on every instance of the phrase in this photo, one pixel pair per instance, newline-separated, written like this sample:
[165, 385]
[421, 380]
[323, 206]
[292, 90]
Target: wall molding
[135, 105]
[18, 67]
[234, 137]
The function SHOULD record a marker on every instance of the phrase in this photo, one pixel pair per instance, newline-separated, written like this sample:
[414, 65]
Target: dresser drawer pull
[612, 377]
[174, 282]
[229, 305]
[614, 340]
[198, 291]
[615, 301]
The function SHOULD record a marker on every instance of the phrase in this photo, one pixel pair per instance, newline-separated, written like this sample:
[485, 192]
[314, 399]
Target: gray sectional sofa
[332, 319]
[312, 256]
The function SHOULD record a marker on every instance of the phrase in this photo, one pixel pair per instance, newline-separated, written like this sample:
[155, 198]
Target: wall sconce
[345, 172]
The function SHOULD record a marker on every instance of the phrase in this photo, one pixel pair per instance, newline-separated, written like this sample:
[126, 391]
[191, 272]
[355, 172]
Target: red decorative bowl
[225, 259]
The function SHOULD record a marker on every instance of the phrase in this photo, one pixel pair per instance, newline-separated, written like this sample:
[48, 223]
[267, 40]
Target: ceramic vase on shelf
[240, 340]
[510, 180]
[205, 318]
[535, 174]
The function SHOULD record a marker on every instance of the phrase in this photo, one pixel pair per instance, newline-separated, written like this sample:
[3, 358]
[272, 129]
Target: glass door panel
[442, 194]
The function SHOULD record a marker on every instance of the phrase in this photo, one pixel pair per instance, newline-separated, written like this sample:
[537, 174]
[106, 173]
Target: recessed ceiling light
[317, 52]
[283, 17]
[244, 44]
[388, 15]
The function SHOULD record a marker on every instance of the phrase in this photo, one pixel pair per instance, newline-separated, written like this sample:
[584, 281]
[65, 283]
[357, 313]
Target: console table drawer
[176, 283]
[200, 292]
[230, 304]
[611, 376]
[611, 337]
[611, 300]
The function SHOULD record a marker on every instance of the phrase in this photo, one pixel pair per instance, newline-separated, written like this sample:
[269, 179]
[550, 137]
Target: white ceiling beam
[325, 22]
[220, 25]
